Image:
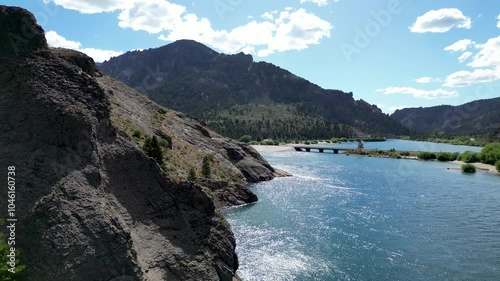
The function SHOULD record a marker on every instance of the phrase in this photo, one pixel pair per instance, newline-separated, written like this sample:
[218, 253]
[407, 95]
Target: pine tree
[206, 170]
[192, 174]
[153, 149]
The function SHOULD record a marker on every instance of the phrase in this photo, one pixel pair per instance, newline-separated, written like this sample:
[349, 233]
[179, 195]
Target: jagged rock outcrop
[91, 205]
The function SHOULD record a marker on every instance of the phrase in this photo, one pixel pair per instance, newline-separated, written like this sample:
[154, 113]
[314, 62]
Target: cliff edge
[90, 204]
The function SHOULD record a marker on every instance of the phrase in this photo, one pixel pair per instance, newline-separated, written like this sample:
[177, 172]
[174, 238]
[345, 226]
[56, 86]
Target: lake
[359, 218]
[407, 145]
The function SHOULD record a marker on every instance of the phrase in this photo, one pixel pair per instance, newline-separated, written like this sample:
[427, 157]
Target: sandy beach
[272, 148]
[480, 166]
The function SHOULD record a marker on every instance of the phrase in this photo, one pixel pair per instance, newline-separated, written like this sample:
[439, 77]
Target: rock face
[91, 206]
[19, 33]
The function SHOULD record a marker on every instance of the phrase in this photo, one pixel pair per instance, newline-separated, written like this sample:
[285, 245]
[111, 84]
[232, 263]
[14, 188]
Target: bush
[468, 168]
[137, 133]
[206, 169]
[470, 157]
[491, 153]
[447, 156]
[267, 142]
[153, 149]
[497, 165]
[167, 144]
[426, 155]
[192, 174]
[395, 155]
[307, 143]
[246, 139]
[253, 143]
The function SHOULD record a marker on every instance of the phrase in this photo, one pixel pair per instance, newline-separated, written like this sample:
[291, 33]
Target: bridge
[320, 149]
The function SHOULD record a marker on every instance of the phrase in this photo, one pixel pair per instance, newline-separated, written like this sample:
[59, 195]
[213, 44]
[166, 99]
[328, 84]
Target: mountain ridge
[479, 117]
[192, 78]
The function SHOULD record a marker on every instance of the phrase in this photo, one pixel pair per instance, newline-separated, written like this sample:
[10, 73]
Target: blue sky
[393, 53]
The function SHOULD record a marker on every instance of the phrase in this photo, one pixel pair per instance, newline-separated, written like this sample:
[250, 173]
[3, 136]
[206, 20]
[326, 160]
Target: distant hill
[236, 96]
[479, 117]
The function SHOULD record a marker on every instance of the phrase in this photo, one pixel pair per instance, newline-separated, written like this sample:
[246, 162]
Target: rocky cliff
[90, 204]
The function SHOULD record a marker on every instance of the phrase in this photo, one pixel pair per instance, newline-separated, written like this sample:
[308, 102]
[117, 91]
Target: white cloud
[152, 16]
[489, 54]
[275, 32]
[460, 46]
[498, 23]
[439, 21]
[58, 41]
[418, 93]
[320, 3]
[464, 56]
[427, 80]
[92, 6]
[467, 78]
[288, 30]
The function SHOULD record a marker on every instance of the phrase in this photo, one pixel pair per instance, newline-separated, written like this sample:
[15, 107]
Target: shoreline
[272, 148]
[491, 169]
[481, 167]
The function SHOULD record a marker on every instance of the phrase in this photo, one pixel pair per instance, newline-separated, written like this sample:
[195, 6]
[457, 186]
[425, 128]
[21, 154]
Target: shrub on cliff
[192, 175]
[153, 149]
[206, 169]
[468, 168]
[497, 165]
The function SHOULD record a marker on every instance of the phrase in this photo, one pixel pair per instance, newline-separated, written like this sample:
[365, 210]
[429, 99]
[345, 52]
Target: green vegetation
[426, 155]
[166, 143]
[470, 157]
[447, 156]
[468, 168]
[5, 275]
[206, 169]
[361, 146]
[269, 142]
[490, 154]
[394, 155]
[192, 175]
[137, 133]
[246, 138]
[497, 165]
[153, 149]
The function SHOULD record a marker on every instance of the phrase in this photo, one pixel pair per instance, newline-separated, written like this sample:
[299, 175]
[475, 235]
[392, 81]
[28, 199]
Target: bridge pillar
[321, 150]
[308, 149]
[298, 149]
[335, 151]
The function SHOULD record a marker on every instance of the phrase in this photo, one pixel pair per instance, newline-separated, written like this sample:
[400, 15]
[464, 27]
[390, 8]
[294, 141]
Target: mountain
[236, 96]
[478, 117]
[89, 202]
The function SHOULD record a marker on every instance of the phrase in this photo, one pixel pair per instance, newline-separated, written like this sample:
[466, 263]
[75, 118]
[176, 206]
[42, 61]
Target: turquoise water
[408, 145]
[359, 218]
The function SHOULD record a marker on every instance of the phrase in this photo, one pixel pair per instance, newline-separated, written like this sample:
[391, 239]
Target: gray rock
[90, 204]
